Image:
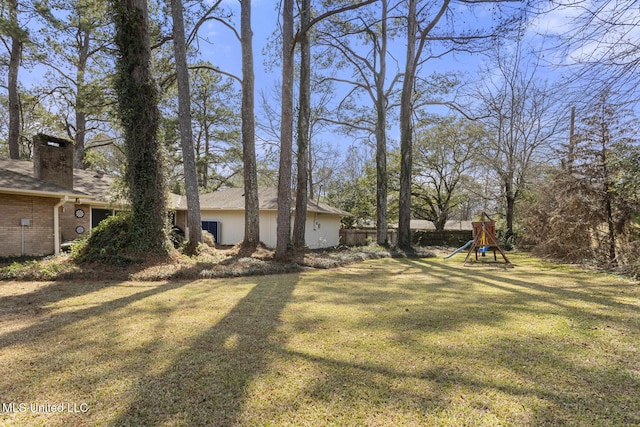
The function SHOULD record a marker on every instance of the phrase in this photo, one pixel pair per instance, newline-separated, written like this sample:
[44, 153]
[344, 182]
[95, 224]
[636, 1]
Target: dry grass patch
[383, 342]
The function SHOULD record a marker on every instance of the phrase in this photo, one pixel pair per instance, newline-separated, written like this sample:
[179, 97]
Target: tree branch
[325, 15]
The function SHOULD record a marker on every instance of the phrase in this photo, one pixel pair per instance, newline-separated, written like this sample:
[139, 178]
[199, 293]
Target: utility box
[25, 222]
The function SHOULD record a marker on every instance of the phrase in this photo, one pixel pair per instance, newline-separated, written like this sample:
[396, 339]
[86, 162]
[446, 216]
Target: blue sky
[219, 46]
[224, 50]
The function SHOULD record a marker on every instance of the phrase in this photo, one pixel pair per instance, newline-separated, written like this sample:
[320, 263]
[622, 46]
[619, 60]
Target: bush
[450, 238]
[111, 242]
[177, 237]
[507, 243]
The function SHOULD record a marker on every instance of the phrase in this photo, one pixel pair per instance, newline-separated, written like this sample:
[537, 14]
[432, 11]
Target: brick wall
[53, 160]
[38, 235]
[69, 222]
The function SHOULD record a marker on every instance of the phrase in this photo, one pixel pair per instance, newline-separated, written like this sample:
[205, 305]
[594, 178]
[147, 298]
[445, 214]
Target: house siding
[231, 225]
[38, 235]
[321, 230]
[181, 220]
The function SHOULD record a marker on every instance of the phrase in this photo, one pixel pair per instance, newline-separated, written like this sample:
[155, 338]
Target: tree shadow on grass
[206, 384]
[538, 288]
[543, 387]
[40, 294]
[544, 377]
[33, 306]
[208, 380]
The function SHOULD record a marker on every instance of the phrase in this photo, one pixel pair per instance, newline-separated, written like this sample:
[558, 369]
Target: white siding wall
[321, 230]
[231, 225]
[268, 226]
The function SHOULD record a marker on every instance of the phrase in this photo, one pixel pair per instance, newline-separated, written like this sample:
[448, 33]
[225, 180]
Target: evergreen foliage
[112, 242]
[138, 109]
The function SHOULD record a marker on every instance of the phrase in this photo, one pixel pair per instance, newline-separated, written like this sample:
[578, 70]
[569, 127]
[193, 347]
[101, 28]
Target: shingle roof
[16, 176]
[99, 185]
[233, 199]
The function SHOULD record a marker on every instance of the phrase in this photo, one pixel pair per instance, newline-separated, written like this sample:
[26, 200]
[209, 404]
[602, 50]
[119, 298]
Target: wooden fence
[364, 236]
[448, 238]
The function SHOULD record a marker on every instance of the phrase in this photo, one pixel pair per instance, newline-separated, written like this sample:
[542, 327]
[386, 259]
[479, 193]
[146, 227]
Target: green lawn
[384, 342]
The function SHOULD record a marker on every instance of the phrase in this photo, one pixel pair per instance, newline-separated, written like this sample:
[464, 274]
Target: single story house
[222, 214]
[47, 202]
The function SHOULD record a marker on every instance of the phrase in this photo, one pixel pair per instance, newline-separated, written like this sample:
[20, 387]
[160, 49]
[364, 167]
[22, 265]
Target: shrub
[111, 242]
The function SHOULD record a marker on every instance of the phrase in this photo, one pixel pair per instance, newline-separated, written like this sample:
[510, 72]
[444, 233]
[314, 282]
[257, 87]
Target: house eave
[50, 194]
[314, 211]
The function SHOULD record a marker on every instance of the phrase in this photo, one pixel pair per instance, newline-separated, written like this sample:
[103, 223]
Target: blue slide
[461, 248]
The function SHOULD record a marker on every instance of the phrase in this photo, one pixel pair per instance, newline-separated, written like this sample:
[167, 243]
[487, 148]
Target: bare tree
[186, 135]
[369, 77]
[283, 227]
[251, 211]
[13, 39]
[598, 43]
[304, 113]
[430, 36]
[416, 39]
[520, 116]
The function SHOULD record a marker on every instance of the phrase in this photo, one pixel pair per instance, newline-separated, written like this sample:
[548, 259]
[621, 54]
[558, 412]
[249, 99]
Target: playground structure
[484, 239]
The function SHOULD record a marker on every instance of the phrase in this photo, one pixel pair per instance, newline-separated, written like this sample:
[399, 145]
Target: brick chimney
[53, 160]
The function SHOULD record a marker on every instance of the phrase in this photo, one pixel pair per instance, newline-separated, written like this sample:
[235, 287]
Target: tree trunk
[441, 222]
[406, 132]
[572, 141]
[252, 209]
[15, 57]
[186, 133]
[607, 192]
[381, 137]
[304, 113]
[312, 190]
[415, 46]
[79, 140]
[611, 229]
[204, 159]
[81, 115]
[283, 227]
[138, 109]
[510, 198]
[381, 175]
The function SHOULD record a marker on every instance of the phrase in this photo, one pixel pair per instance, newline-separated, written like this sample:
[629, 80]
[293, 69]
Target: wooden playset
[484, 239]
